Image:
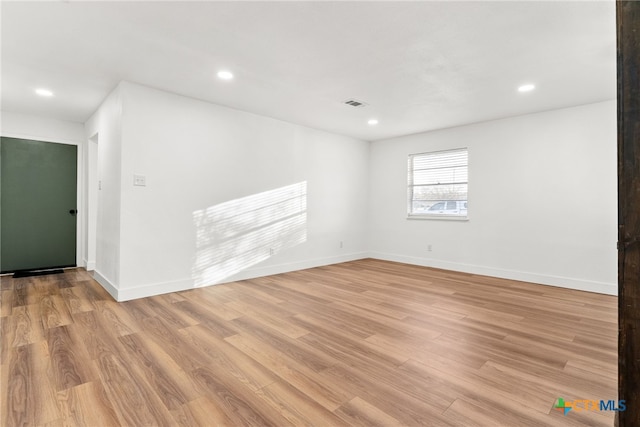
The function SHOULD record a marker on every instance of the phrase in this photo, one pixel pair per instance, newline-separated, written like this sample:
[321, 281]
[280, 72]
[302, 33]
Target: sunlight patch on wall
[235, 235]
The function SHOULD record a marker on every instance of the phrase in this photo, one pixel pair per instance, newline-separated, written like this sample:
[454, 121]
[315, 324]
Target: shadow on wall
[235, 235]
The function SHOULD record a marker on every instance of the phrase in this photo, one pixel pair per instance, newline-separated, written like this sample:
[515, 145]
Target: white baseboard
[152, 289]
[106, 284]
[126, 294]
[523, 276]
[252, 273]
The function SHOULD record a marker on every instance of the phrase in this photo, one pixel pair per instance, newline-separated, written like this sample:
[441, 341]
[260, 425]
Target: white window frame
[414, 214]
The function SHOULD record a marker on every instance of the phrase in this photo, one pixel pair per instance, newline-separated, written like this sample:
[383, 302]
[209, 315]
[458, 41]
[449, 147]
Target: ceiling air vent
[355, 103]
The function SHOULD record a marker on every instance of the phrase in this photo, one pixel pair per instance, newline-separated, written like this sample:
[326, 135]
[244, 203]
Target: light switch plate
[139, 180]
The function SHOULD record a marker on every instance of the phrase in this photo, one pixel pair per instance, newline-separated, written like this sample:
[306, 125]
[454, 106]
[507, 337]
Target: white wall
[16, 125]
[542, 193]
[105, 128]
[25, 126]
[91, 201]
[542, 200]
[203, 159]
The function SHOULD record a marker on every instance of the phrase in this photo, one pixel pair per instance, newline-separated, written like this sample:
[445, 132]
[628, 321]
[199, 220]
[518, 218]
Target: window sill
[439, 217]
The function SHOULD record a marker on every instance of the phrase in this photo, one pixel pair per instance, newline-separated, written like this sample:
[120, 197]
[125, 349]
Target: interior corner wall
[205, 166]
[105, 127]
[542, 191]
[542, 200]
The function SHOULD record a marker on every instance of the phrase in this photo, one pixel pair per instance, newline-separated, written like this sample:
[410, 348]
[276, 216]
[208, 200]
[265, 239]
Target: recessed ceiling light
[225, 75]
[373, 122]
[44, 92]
[526, 88]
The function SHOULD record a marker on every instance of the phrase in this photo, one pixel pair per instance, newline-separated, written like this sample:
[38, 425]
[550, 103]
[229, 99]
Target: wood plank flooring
[363, 343]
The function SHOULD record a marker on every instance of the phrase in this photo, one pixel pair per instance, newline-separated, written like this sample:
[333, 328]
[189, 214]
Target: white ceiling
[419, 65]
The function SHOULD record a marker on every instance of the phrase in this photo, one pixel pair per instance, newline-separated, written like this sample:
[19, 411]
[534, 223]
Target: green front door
[37, 204]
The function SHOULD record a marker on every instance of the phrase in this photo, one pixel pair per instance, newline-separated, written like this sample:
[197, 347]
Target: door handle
[73, 212]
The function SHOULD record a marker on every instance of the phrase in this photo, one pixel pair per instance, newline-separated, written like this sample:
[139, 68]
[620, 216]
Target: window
[438, 184]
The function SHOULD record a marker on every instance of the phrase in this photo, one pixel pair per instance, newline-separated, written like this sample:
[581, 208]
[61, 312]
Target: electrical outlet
[429, 248]
[271, 251]
[341, 244]
[139, 180]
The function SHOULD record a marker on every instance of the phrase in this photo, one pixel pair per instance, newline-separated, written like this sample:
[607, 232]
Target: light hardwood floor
[362, 343]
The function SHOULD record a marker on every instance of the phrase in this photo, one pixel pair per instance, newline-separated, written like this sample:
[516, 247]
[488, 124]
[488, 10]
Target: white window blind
[438, 183]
